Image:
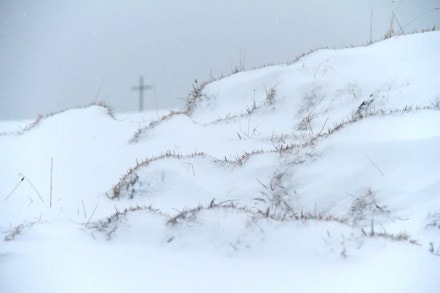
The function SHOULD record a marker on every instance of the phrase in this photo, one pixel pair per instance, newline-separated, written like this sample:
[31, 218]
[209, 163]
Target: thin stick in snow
[322, 129]
[88, 221]
[13, 190]
[51, 173]
[378, 169]
[84, 209]
[33, 187]
[18, 184]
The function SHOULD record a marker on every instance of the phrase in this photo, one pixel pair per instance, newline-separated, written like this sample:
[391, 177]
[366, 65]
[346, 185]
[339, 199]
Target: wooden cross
[141, 89]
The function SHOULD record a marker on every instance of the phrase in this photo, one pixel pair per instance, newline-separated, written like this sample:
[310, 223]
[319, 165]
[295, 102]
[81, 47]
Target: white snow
[317, 176]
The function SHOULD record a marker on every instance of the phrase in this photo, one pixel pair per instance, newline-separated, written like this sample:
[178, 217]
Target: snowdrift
[320, 175]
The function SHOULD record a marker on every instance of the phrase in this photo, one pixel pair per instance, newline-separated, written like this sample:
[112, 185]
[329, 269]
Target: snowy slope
[320, 175]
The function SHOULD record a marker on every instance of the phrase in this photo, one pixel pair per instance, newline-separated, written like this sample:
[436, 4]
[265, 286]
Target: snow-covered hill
[317, 176]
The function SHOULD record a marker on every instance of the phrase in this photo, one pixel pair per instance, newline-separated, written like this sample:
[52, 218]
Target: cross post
[141, 87]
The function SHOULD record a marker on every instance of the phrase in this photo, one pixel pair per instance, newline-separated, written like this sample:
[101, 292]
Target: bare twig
[13, 190]
[94, 210]
[18, 184]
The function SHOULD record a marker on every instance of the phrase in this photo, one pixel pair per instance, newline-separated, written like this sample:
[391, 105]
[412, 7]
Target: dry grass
[190, 215]
[355, 118]
[401, 236]
[271, 94]
[366, 206]
[194, 96]
[240, 160]
[130, 177]
[19, 229]
[136, 137]
[37, 121]
[109, 225]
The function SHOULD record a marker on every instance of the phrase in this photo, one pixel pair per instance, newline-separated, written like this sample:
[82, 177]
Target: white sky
[58, 54]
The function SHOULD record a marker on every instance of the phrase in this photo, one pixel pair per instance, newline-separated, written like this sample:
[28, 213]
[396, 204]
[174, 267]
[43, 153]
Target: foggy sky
[59, 54]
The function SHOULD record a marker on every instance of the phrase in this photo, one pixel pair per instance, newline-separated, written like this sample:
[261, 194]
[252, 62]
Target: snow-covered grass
[318, 176]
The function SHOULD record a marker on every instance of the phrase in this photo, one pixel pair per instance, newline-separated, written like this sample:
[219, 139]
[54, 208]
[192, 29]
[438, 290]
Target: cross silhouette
[141, 87]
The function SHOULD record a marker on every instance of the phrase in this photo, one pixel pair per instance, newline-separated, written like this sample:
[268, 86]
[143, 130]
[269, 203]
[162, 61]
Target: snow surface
[318, 176]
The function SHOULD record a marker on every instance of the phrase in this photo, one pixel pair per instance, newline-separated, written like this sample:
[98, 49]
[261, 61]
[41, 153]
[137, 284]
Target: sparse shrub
[365, 207]
[305, 123]
[271, 94]
[364, 108]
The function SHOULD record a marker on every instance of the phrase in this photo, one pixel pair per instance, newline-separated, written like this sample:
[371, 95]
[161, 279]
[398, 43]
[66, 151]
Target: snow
[320, 175]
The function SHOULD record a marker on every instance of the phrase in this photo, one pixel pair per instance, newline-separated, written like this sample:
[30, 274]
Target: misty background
[59, 54]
